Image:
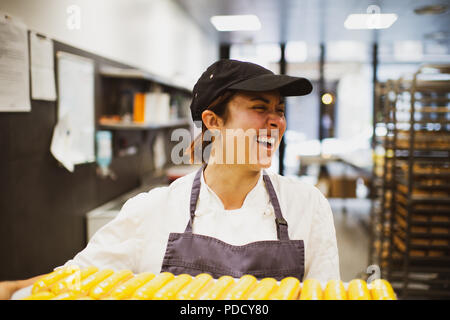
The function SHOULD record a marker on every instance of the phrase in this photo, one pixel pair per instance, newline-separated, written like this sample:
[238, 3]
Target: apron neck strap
[281, 223]
[195, 192]
[282, 226]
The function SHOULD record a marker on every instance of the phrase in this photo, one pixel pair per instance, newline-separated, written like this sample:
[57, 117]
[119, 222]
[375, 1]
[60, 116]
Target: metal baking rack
[418, 263]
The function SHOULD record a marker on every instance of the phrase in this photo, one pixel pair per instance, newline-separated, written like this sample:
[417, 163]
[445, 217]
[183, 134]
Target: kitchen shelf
[137, 74]
[144, 126]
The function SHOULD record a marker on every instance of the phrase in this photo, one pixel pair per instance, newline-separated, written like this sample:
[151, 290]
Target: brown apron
[194, 253]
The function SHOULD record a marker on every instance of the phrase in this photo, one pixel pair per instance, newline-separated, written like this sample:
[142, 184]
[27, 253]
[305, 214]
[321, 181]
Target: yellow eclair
[71, 281]
[311, 290]
[242, 288]
[263, 289]
[218, 289]
[51, 278]
[128, 288]
[289, 289]
[358, 290]
[102, 289]
[169, 291]
[147, 291]
[195, 287]
[382, 290]
[335, 290]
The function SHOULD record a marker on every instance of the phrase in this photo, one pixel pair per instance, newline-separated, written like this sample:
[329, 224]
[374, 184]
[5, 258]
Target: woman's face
[254, 126]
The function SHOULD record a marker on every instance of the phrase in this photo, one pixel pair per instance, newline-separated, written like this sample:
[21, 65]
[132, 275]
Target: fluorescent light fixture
[236, 23]
[269, 52]
[346, 50]
[370, 21]
[408, 50]
[296, 51]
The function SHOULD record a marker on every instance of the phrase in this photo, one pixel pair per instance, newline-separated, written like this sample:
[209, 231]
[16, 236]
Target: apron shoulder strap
[282, 226]
[194, 197]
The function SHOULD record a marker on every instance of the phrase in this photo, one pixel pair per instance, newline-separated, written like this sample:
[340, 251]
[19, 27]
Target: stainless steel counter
[100, 216]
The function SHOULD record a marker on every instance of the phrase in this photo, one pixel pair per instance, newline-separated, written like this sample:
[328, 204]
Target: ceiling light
[327, 98]
[408, 50]
[296, 51]
[346, 50]
[236, 23]
[370, 21]
[431, 9]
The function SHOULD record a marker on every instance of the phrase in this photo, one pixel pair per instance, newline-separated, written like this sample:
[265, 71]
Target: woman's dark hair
[219, 107]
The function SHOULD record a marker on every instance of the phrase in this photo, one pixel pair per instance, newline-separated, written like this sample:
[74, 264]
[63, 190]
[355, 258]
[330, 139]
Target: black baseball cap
[227, 74]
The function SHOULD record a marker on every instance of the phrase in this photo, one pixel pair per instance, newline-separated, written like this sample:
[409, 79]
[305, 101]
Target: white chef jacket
[137, 238]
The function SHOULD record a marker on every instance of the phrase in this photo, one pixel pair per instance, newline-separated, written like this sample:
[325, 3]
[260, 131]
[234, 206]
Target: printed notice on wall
[42, 69]
[74, 134]
[14, 76]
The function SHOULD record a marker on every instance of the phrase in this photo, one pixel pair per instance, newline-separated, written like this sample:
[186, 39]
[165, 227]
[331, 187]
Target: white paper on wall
[42, 68]
[14, 76]
[62, 141]
[75, 109]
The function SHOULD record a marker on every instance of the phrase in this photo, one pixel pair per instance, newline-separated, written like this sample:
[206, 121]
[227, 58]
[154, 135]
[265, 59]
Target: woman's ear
[211, 120]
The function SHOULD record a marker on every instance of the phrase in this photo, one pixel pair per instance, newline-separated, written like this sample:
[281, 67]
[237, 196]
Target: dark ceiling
[317, 21]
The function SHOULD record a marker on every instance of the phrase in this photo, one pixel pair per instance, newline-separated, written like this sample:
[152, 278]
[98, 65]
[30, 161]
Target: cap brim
[287, 85]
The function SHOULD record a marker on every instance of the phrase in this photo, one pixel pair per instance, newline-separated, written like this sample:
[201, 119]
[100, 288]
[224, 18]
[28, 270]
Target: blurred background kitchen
[91, 91]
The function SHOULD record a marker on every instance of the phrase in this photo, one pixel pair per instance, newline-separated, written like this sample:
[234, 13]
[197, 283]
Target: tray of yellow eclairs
[73, 283]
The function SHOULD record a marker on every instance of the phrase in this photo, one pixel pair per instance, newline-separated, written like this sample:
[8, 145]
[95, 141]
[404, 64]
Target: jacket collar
[256, 200]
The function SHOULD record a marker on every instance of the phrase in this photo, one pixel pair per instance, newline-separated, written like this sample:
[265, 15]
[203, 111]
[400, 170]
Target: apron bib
[194, 254]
